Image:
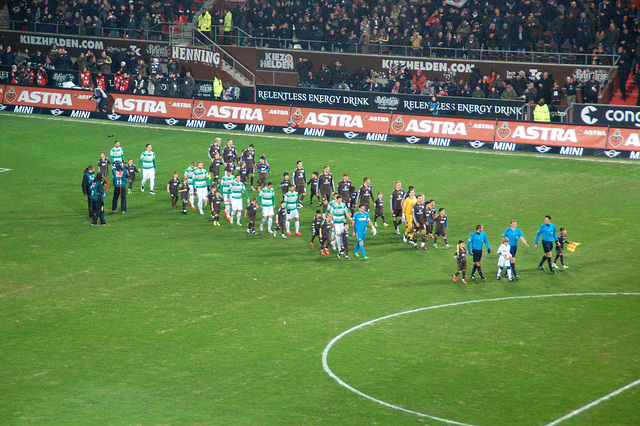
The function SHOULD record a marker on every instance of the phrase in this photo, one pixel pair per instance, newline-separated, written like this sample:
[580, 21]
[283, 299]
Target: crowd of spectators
[400, 80]
[429, 27]
[113, 69]
[134, 18]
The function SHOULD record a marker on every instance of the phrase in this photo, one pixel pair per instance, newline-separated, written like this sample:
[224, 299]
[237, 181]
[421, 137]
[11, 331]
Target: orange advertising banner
[342, 121]
[240, 113]
[623, 139]
[551, 134]
[45, 97]
[442, 127]
[152, 106]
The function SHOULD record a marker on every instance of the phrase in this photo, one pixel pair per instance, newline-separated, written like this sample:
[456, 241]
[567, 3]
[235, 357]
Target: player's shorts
[148, 174]
[301, 189]
[338, 228]
[201, 193]
[462, 265]
[361, 235]
[293, 214]
[477, 255]
[547, 246]
[236, 204]
[325, 196]
[262, 179]
[417, 226]
[397, 213]
[559, 249]
[250, 169]
[513, 251]
[267, 211]
[502, 262]
[441, 232]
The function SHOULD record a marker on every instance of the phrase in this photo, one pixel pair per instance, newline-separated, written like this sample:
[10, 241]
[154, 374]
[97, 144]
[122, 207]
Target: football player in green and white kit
[291, 200]
[116, 153]
[201, 182]
[237, 189]
[147, 165]
[188, 173]
[267, 200]
[225, 186]
[340, 213]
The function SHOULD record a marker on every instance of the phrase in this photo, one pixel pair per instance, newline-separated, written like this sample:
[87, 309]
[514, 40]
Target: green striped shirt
[117, 153]
[225, 184]
[201, 178]
[148, 160]
[237, 188]
[339, 212]
[291, 200]
[267, 197]
[188, 173]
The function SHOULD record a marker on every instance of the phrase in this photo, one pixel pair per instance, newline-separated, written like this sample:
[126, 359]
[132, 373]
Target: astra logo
[476, 144]
[584, 114]
[350, 135]
[542, 149]
[413, 139]
[230, 126]
[56, 111]
[113, 116]
[611, 153]
[289, 130]
[171, 121]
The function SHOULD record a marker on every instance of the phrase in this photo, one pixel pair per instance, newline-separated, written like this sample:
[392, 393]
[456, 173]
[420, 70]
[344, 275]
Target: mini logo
[542, 149]
[350, 135]
[199, 110]
[56, 111]
[2, 107]
[504, 130]
[11, 95]
[611, 153]
[289, 130]
[398, 125]
[230, 126]
[584, 114]
[171, 121]
[476, 144]
[113, 116]
[413, 139]
[616, 138]
[297, 117]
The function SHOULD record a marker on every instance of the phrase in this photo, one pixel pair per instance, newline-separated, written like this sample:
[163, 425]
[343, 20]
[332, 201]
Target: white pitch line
[327, 369]
[461, 150]
[594, 403]
[2, 170]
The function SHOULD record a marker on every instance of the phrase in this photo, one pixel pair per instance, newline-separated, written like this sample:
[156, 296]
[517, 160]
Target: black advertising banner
[606, 115]
[388, 102]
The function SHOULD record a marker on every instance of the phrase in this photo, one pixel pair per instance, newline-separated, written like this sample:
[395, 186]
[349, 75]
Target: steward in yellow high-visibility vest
[204, 22]
[217, 86]
[541, 112]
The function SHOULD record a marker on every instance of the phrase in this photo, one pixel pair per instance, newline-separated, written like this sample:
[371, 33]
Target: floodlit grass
[163, 318]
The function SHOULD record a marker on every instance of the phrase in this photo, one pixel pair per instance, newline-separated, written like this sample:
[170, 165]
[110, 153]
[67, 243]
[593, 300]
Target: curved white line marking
[325, 354]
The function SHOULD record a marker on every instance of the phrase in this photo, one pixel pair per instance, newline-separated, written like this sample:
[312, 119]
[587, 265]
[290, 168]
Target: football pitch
[162, 318]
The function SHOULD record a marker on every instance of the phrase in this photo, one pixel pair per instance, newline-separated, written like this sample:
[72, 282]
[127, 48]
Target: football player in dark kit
[344, 247]
[131, 170]
[364, 193]
[325, 188]
[285, 183]
[251, 211]
[420, 222]
[281, 219]
[249, 157]
[344, 188]
[299, 177]
[325, 234]
[263, 169]
[441, 228]
[396, 205]
[313, 188]
[214, 168]
[379, 210]
[173, 187]
[229, 154]
[215, 201]
[461, 256]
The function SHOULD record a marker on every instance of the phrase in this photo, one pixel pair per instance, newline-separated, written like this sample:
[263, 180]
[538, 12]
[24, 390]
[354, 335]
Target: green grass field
[162, 318]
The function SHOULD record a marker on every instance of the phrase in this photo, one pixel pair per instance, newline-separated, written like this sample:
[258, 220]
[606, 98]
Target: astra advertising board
[550, 134]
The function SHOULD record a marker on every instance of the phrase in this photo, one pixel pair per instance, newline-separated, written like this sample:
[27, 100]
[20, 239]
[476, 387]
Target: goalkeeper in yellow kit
[407, 213]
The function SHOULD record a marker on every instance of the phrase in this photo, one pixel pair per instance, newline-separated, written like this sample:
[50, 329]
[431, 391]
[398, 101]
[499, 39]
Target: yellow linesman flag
[572, 246]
